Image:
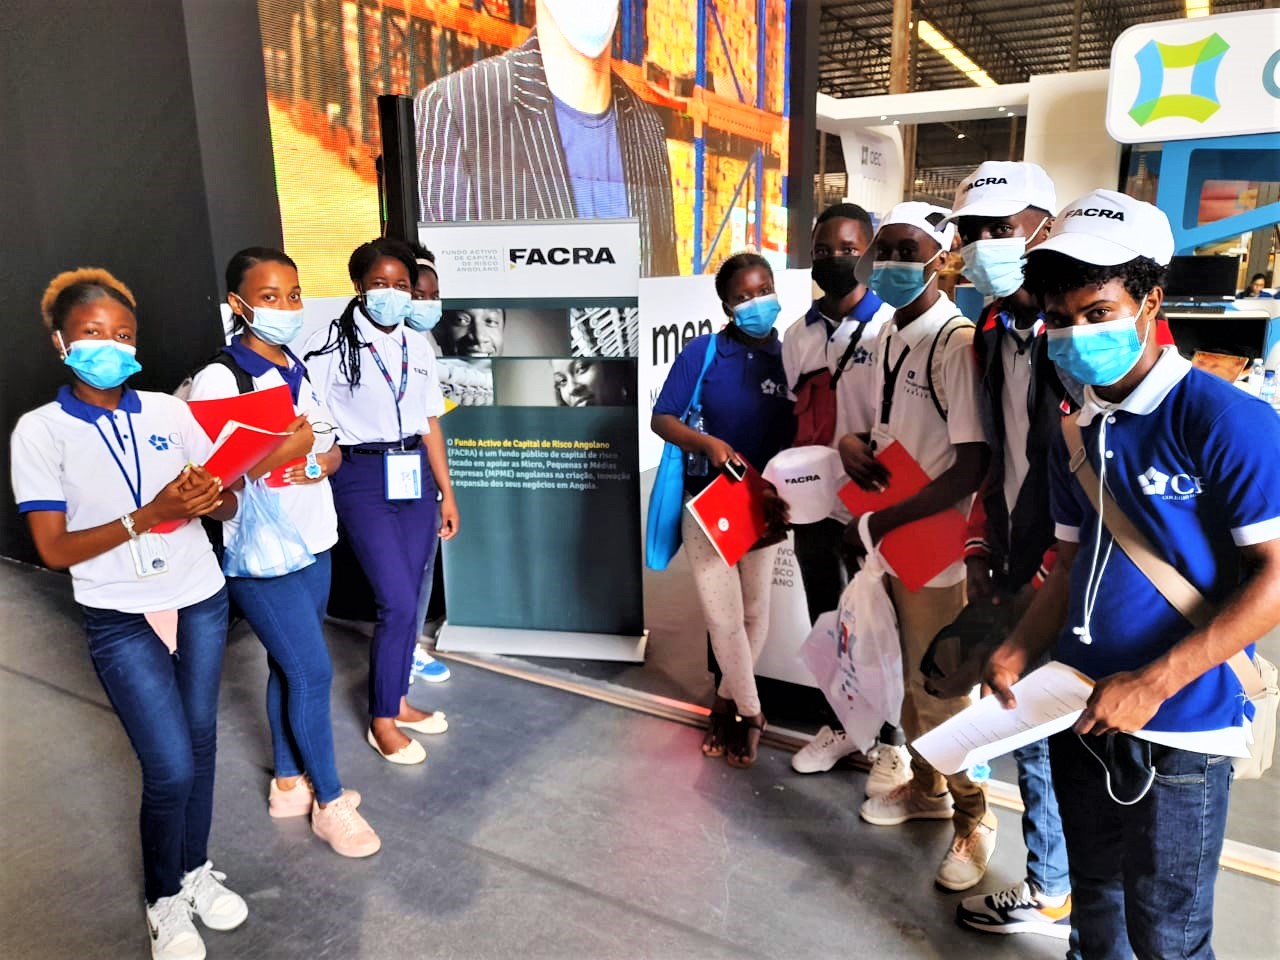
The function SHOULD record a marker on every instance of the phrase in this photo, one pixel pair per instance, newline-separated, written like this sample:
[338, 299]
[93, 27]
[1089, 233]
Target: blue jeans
[287, 614]
[1142, 876]
[1041, 825]
[168, 706]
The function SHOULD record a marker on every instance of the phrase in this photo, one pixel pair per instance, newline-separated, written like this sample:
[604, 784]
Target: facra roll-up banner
[1194, 79]
[538, 345]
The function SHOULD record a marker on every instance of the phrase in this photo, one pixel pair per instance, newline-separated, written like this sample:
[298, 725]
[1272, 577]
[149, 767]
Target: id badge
[403, 473]
[150, 555]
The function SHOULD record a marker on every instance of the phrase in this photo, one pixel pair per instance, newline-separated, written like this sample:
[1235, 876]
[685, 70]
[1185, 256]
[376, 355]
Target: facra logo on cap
[986, 182]
[1156, 60]
[1104, 212]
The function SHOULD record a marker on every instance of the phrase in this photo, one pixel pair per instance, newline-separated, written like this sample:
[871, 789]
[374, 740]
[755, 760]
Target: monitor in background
[1202, 278]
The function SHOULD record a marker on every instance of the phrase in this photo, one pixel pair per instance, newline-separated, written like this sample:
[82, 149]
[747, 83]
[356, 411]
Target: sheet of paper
[1050, 699]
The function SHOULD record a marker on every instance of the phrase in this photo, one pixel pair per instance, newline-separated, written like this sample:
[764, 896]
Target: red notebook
[920, 550]
[731, 514]
[269, 409]
[239, 446]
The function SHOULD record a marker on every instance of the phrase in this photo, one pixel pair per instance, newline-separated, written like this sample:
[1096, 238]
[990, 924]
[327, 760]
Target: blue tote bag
[662, 528]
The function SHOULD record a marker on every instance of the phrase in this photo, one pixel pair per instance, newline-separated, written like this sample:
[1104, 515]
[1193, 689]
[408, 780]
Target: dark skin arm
[1125, 702]
[301, 440]
[955, 483]
[670, 429]
[438, 460]
[329, 462]
[193, 493]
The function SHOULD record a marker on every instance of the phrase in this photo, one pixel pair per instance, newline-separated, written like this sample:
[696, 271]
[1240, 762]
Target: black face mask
[835, 275]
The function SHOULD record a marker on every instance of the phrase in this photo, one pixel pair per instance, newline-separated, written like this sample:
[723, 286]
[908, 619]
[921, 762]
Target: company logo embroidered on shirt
[772, 388]
[159, 442]
[1178, 486]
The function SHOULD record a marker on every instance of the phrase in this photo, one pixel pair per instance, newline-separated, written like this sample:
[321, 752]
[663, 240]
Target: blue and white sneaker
[426, 667]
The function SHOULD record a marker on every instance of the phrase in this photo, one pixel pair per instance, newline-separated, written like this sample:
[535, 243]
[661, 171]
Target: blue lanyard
[136, 490]
[404, 378]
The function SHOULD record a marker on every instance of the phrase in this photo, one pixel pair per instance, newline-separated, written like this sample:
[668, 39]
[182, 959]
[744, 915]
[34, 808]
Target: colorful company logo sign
[1155, 59]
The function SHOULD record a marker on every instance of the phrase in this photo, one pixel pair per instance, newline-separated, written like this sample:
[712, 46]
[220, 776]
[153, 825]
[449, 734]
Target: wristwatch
[313, 470]
[127, 522]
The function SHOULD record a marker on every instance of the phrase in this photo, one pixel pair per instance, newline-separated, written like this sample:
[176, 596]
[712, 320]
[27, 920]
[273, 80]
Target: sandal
[718, 724]
[745, 748]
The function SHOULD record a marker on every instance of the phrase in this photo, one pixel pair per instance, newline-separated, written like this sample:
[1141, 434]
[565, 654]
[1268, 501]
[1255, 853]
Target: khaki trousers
[920, 616]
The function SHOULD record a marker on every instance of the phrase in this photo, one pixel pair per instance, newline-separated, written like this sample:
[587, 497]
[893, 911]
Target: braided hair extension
[343, 336]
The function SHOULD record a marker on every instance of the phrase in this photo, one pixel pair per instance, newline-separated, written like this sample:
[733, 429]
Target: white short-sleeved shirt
[309, 506]
[366, 413]
[811, 343]
[73, 457]
[913, 420]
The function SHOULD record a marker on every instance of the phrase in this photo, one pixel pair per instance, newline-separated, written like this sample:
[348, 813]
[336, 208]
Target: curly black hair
[1050, 273]
[735, 264]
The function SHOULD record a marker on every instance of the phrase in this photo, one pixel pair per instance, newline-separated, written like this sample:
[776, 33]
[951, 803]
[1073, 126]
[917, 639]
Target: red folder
[238, 448]
[731, 514]
[269, 409]
[920, 550]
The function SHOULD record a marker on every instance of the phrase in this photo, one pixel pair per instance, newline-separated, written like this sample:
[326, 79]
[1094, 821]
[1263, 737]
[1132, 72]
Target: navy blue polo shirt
[1194, 462]
[744, 397]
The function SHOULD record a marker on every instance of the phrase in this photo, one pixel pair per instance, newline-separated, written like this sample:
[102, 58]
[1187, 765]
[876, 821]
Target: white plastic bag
[265, 542]
[855, 656]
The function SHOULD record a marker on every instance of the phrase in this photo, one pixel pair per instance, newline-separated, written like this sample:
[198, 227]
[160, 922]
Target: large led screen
[670, 111]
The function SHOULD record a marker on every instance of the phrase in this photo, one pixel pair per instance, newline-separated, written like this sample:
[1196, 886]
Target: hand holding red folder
[239, 448]
[920, 550]
[269, 409]
[732, 514]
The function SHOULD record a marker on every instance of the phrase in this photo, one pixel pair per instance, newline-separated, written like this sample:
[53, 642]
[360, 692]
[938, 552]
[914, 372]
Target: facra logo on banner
[1160, 63]
[558, 256]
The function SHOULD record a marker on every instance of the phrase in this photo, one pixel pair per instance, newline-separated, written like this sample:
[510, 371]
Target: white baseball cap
[808, 478]
[1107, 228]
[1001, 188]
[928, 217]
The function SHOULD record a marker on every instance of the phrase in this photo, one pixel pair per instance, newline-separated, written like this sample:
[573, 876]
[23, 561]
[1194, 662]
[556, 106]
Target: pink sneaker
[340, 826]
[297, 802]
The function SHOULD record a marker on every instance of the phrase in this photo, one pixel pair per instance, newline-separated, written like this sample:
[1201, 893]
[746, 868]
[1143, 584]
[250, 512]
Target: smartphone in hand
[735, 470]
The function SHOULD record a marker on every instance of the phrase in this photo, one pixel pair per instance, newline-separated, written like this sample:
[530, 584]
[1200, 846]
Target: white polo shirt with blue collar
[95, 465]
[1194, 463]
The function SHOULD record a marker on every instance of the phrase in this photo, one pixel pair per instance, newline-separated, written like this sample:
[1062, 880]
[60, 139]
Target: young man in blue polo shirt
[1142, 779]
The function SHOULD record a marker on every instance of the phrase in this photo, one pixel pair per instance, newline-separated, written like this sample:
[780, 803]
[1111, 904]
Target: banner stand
[542, 643]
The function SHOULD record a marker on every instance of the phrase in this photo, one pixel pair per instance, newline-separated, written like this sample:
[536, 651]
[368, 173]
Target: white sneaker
[217, 907]
[1021, 908]
[965, 864]
[173, 935]
[902, 804]
[822, 752]
[890, 769]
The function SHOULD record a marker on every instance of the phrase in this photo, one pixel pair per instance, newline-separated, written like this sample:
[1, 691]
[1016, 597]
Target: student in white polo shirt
[827, 354]
[380, 382]
[103, 475]
[287, 612]
[925, 398]
[1001, 210]
[1143, 778]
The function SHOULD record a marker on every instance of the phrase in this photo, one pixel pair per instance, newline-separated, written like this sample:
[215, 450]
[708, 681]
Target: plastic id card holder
[150, 555]
[402, 470]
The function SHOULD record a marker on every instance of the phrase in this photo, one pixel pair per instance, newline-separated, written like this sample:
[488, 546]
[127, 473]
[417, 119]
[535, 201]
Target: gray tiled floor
[544, 825]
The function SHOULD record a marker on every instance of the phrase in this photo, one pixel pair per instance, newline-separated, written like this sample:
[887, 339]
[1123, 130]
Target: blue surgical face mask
[899, 284]
[995, 267]
[1098, 354]
[423, 314]
[101, 363]
[756, 317]
[586, 25]
[387, 306]
[273, 325]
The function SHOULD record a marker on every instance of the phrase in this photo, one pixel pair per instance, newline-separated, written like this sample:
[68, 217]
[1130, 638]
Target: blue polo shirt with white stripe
[1194, 462]
[745, 401]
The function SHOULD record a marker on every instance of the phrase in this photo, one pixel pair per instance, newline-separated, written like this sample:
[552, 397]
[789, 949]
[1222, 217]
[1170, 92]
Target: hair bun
[68, 278]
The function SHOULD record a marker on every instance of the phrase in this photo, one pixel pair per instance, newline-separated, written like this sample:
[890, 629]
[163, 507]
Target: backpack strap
[935, 394]
[244, 382]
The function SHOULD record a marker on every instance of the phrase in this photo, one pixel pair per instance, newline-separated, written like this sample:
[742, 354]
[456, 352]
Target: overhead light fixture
[1197, 8]
[897, 123]
[919, 181]
[1001, 109]
[884, 116]
[959, 136]
[948, 50]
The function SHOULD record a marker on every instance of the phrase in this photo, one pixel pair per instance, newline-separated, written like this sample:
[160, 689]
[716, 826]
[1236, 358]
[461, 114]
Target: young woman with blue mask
[287, 612]
[380, 383]
[747, 417]
[103, 475]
